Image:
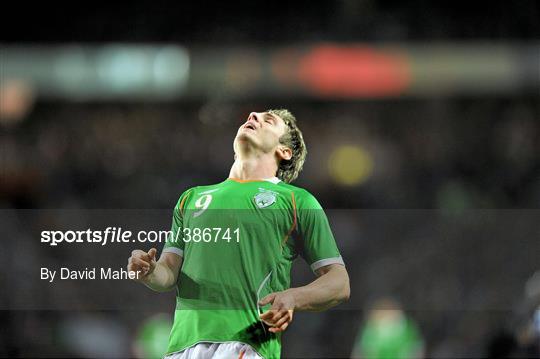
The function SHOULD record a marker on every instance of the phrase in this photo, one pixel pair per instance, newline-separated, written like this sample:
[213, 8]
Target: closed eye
[269, 118]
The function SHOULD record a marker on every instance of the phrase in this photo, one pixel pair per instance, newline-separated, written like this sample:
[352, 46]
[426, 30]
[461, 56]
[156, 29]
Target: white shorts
[227, 350]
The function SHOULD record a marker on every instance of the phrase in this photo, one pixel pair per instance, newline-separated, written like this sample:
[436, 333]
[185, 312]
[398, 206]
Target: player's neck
[253, 168]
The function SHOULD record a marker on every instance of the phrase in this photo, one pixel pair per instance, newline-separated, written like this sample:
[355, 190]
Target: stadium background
[422, 122]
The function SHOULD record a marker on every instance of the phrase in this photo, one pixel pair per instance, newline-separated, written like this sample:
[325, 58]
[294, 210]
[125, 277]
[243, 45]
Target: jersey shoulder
[304, 198]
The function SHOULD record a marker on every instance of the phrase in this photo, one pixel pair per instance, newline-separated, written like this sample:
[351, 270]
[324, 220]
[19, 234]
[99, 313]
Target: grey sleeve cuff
[174, 250]
[327, 261]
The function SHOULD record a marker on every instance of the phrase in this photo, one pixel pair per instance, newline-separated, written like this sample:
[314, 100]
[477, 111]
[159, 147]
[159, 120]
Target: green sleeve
[175, 243]
[318, 246]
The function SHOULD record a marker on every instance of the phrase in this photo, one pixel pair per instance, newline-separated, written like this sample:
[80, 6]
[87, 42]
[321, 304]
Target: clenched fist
[142, 263]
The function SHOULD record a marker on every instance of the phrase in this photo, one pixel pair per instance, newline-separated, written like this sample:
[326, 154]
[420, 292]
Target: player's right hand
[142, 262]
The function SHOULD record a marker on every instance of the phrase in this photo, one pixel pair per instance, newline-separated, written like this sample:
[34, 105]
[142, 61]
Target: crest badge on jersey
[265, 198]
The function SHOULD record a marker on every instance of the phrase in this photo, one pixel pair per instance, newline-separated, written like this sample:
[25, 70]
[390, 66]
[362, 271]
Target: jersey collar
[273, 180]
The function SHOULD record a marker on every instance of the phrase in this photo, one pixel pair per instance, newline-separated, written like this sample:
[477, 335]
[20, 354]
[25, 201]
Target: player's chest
[254, 205]
[255, 199]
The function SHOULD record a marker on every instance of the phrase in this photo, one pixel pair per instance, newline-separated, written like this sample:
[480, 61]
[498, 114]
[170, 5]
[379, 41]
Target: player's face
[261, 130]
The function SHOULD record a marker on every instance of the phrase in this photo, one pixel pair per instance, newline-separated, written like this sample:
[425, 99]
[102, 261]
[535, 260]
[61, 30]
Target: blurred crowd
[422, 154]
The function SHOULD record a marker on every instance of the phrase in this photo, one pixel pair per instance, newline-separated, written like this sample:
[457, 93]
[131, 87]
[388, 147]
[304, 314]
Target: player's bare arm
[160, 275]
[328, 290]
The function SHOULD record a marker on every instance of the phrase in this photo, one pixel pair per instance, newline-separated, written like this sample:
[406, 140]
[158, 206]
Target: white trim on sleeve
[174, 250]
[325, 262]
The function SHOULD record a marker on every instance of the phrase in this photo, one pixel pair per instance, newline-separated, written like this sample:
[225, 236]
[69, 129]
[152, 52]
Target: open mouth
[250, 126]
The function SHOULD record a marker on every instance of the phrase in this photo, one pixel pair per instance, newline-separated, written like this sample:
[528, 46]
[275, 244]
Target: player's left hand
[280, 315]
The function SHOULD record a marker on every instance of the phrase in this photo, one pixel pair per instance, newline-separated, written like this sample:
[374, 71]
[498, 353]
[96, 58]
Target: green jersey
[238, 240]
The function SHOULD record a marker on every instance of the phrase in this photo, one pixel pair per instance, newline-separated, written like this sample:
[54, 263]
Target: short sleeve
[318, 246]
[175, 243]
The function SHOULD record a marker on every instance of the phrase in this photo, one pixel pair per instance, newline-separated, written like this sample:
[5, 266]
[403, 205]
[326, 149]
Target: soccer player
[231, 248]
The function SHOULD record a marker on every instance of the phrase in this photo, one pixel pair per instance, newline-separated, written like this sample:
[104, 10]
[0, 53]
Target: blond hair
[288, 170]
